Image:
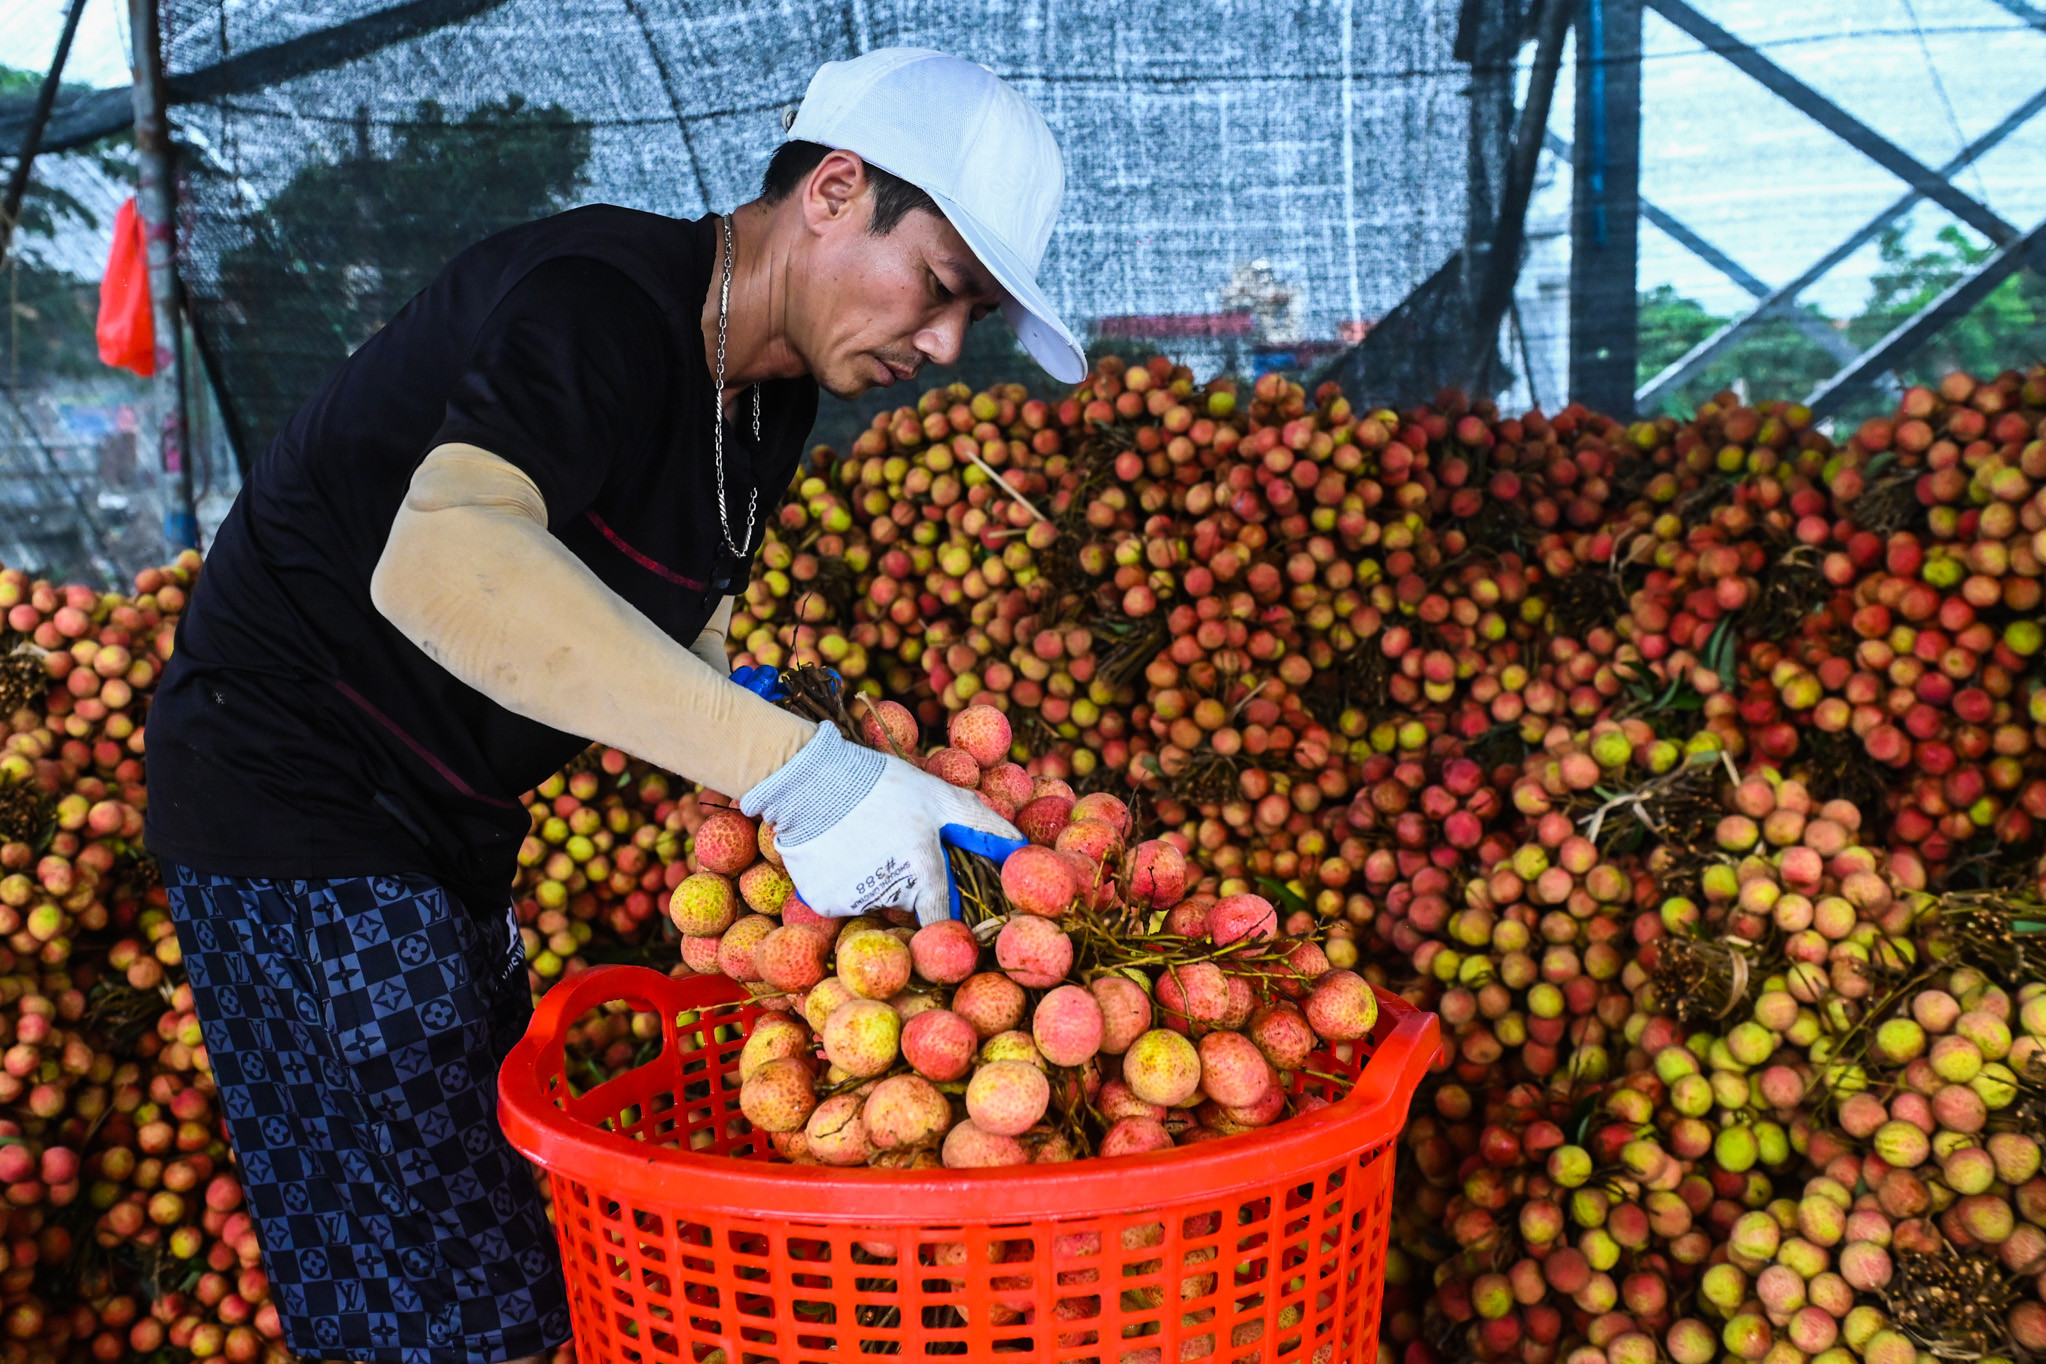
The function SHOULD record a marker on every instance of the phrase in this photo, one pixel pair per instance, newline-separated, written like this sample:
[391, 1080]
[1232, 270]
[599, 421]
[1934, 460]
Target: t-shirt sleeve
[565, 380]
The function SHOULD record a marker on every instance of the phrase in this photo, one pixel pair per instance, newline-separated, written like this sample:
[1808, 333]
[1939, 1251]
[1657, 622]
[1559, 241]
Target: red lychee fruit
[1157, 874]
[888, 726]
[969, 1146]
[982, 733]
[939, 1045]
[1134, 1137]
[1007, 1097]
[778, 1097]
[735, 948]
[1233, 1070]
[1094, 839]
[726, 842]
[990, 1001]
[791, 958]
[1237, 917]
[954, 766]
[1341, 1006]
[700, 955]
[1111, 811]
[1008, 781]
[1039, 881]
[1193, 995]
[1067, 1026]
[1281, 1033]
[1043, 818]
[905, 1111]
[1034, 951]
[1125, 1011]
[944, 953]
[837, 1133]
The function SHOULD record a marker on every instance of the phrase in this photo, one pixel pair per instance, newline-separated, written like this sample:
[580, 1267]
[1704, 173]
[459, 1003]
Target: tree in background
[350, 238]
[2005, 330]
[1775, 360]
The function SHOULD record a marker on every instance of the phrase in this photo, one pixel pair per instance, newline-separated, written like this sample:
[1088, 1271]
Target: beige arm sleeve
[711, 644]
[472, 575]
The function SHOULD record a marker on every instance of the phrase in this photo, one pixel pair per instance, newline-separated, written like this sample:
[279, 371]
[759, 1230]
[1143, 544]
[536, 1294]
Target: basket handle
[1400, 1062]
[646, 990]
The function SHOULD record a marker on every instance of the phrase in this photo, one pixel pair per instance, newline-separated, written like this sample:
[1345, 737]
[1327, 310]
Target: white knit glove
[859, 830]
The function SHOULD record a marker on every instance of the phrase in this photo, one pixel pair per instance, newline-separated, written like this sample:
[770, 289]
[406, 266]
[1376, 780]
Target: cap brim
[1037, 325]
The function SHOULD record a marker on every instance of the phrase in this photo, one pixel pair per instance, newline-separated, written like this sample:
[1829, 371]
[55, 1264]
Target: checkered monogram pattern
[355, 1028]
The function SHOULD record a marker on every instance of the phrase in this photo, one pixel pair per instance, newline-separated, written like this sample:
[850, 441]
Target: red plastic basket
[682, 1237]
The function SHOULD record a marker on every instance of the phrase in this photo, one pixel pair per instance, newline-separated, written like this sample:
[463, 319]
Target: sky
[1727, 158]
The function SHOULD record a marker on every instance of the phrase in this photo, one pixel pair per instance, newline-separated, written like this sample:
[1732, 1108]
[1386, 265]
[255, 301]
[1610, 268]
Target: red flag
[127, 332]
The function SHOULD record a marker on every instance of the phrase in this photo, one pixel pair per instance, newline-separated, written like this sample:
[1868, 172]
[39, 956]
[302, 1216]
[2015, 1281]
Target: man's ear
[832, 193]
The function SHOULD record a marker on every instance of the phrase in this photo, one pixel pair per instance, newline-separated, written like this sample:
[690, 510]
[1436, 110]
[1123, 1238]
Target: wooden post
[156, 206]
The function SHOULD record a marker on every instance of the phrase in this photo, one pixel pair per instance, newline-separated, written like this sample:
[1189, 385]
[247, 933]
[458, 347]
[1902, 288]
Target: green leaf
[1279, 894]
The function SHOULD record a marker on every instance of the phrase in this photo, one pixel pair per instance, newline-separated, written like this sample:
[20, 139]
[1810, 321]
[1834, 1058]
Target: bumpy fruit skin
[1007, 1097]
[778, 1097]
[1233, 1071]
[1341, 1006]
[703, 905]
[873, 965]
[1162, 1067]
[888, 726]
[1281, 1032]
[969, 1146]
[774, 1037]
[1236, 918]
[736, 947]
[1135, 1137]
[939, 1044]
[837, 1132]
[1158, 874]
[982, 733]
[791, 958]
[944, 953]
[765, 887]
[990, 1001]
[1067, 1026]
[1034, 951]
[906, 1111]
[862, 1037]
[1039, 881]
[726, 842]
[1042, 818]
[1125, 1011]
[1193, 996]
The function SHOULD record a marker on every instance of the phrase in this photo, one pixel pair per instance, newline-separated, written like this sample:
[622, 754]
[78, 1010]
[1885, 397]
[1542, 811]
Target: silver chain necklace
[737, 551]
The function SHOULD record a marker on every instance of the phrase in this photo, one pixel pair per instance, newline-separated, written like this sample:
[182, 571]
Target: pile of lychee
[1036, 1034]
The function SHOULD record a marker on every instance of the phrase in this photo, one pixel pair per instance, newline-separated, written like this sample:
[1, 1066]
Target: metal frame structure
[1864, 368]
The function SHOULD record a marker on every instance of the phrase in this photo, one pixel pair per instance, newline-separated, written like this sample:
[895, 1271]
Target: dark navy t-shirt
[296, 733]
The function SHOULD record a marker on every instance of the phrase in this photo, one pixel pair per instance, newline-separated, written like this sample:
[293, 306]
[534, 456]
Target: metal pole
[156, 205]
[32, 139]
[1509, 232]
[1605, 209]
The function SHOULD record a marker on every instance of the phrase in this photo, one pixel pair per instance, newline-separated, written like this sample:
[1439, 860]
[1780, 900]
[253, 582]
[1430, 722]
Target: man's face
[873, 311]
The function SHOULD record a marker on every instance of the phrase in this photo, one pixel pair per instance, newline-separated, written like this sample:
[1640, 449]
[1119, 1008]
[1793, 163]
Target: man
[512, 523]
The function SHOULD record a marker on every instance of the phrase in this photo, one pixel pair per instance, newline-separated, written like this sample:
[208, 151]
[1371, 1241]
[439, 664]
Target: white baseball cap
[980, 150]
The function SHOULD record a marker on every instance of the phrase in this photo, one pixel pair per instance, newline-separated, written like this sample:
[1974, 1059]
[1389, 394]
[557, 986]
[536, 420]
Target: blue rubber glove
[859, 830]
[764, 682]
[991, 846]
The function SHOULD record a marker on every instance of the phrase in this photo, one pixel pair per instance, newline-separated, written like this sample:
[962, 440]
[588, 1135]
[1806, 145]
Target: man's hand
[859, 830]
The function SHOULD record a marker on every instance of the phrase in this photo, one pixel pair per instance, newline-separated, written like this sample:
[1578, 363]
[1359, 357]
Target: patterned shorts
[355, 1028]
